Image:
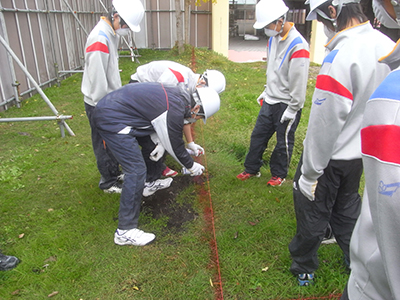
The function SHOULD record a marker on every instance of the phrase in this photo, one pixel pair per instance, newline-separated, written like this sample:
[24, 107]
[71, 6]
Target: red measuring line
[205, 198]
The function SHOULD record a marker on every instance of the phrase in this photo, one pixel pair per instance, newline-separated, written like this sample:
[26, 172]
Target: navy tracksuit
[136, 111]
[268, 122]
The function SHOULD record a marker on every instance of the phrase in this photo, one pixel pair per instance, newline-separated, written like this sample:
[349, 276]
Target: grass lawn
[61, 225]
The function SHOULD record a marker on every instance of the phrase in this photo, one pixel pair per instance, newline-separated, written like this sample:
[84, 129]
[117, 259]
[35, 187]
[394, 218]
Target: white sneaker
[115, 189]
[151, 187]
[135, 237]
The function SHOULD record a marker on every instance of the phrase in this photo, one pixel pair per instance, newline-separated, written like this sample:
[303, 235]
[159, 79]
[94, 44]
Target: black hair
[349, 11]
[110, 16]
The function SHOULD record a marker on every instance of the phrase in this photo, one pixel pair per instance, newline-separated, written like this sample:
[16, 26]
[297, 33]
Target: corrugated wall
[49, 36]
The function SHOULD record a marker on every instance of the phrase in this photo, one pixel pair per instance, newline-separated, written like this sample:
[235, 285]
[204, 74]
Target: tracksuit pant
[107, 165]
[268, 122]
[337, 203]
[126, 150]
[154, 168]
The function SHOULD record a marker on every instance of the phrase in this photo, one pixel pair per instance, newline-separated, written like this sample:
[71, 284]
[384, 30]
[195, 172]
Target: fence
[48, 37]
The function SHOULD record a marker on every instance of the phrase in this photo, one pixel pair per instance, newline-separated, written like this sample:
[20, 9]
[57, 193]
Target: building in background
[49, 36]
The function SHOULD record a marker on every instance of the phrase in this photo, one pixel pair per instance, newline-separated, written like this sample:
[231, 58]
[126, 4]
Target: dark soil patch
[163, 204]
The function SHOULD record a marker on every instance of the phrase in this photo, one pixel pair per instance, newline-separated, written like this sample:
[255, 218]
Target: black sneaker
[8, 262]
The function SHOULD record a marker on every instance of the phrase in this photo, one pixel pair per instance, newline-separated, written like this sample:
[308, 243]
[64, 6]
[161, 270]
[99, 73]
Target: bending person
[171, 73]
[139, 110]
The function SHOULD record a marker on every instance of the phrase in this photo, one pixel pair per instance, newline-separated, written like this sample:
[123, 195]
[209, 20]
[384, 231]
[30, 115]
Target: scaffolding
[65, 50]
[49, 37]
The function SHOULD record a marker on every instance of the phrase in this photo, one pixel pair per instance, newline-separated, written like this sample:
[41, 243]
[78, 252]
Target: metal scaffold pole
[62, 122]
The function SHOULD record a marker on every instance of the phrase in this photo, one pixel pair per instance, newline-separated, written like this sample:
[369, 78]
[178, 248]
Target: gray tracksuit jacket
[375, 243]
[101, 73]
[341, 92]
[287, 72]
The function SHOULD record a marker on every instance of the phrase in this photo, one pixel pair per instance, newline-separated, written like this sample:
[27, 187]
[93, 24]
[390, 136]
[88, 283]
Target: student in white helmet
[101, 76]
[173, 73]
[139, 110]
[284, 95]
[375, 243]
[326, 183]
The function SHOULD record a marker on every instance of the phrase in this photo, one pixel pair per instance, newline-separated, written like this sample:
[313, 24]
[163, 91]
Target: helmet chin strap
[333, 20]
[112, 19]
[196, 99]
[283, 23]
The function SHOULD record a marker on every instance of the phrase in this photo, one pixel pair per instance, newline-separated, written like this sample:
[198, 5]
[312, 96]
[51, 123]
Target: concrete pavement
[242, 50]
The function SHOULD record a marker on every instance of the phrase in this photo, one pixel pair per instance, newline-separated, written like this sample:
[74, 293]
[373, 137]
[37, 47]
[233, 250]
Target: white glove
[261, 98]
[157, 153]
[154, 138]
[196, 149]
[307, 187]
[196, 170]
[191, 152]
[287, 115]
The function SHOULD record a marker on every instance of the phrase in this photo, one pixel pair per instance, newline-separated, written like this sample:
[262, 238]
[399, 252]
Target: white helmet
[314, 4]
[131, 11]
[382, 15]
[268, 11]
[312, 15]
[209, 101]
[215, 80]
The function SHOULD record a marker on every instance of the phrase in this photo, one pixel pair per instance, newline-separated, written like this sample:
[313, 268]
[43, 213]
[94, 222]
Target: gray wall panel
[47, 37]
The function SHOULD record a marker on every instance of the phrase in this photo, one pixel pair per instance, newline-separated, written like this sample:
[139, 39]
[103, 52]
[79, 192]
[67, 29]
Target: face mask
[329, 32]
[122, 31]
[271, 32]
[383, 17]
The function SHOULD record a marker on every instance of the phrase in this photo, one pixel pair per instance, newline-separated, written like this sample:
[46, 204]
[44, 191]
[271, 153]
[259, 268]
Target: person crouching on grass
[143, 109]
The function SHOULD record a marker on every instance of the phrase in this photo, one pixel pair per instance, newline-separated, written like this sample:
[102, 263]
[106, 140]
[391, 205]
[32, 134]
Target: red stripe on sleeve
[178, 75]
[382, 142]
[97, 47]
[327, 83]
[301, 54]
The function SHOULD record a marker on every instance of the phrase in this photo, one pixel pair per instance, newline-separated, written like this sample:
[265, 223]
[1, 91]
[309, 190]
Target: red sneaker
[169, 173]
[244, 175]
[276, 181]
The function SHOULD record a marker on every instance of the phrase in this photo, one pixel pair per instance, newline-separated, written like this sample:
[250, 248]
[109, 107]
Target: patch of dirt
[163, 204]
